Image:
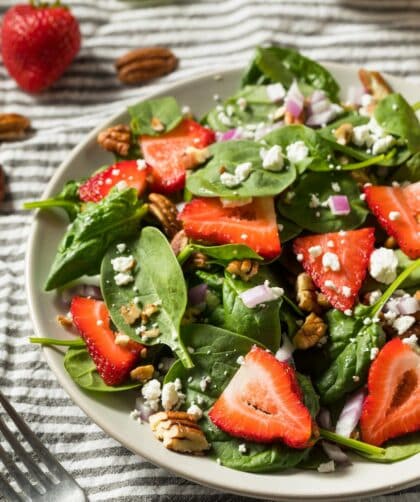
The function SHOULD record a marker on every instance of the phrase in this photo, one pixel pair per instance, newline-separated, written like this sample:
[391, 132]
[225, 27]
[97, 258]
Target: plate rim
[164, 461]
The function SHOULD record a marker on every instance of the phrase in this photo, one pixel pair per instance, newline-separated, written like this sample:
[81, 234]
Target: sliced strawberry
[113, 362]
[398, 211]
[392, 407]
[98, 186]
[254, 224]
[168, 156]
[340, 281]
[261, 403]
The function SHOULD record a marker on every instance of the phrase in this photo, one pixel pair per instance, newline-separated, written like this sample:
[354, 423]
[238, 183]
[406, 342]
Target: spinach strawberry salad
[254, 274]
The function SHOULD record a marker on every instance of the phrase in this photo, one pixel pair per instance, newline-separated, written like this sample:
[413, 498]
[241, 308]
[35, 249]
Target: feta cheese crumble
[272, 158]
[335, 186]
[411, 341]
[373, 353]
[196, 411]
[326, 467]
[346, 291]
[315, 251]
[242, 171]
[151, 392]
[383, 265]
[240, 360]
[122, 263]
[121, 247]
[331, 261]
[296, 152]
[403, 323]
[123, 278]
[242, 448]
[204, 383]
[394, 215]
[172, 395]
[141, 164]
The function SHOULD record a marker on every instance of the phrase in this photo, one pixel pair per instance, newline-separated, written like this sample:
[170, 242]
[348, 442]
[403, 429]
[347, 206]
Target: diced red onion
[339, 204]
[317, 96]
[285, 352]
[319, 108]
[66, 295]
[229, 135]
[294, 100]
[392, 306]
[144, 410]
[259, 294]
[335, 453]
[350, 414]
[324, 419]
[197, 294]
[408, 305]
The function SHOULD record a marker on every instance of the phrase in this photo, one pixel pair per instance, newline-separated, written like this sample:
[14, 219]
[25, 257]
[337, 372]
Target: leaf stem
[352, 443]
[37, 204]
[364, 163]
[390, 290]
[183, 256]
[78, 342]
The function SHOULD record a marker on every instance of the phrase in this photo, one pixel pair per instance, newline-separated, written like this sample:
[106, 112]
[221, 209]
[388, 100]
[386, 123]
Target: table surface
[381, 35]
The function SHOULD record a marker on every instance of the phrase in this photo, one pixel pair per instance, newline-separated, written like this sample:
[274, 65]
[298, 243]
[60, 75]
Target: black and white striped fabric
[382, 34]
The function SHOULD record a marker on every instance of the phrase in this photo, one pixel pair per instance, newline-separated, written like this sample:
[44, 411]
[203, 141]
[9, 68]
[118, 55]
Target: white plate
[111, 412]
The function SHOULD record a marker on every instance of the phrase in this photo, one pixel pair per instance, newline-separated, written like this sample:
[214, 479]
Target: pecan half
[179, 432]
[343, 133]
[179, 241]
[116, 139]
[166, 213]
[306, 293]
[142, 373]
[310, 333]
[13, 126]
[290, 119]
[374, 83]
[130, 313]
[245, 269]
[141, 65]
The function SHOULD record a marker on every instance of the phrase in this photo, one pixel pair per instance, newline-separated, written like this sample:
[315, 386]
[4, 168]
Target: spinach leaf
[341, 330]
[55, 342]
[319, 149]
[82, 369]
[80, 252]
[227, 252]
[205, 182]
[403, 263]
[396, 117]
[299, 210]
[349, 370]
[166, 110]
[68, 199]
[262, 323]
[212, 279]
[410, 171]
[397, 449]
[283, 65]
[158, 279]
[288, 229]
[215, 356]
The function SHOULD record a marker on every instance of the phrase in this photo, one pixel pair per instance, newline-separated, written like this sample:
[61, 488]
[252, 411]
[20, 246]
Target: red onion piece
[197, 294]
[294, 100]
[260, 294]
[339, 204]
[318, 96]
[263, 131]
[144, 410]
[335, 453]
[408, 305]
[324, 419]
[350, 414]
[229, 135]
[285, 352]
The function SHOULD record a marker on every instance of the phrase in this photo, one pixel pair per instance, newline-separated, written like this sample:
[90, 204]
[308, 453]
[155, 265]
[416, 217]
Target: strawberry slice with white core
[337, 263]
[398, 211]
[262, 403]
[253, 224]
[127, 173]
[113, 362]
[171, 154]
[392, 407]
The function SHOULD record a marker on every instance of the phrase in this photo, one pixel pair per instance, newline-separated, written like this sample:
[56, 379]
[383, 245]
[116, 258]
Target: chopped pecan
[198, 156]
[13, 126]
[306, 294]
[179, 241]
[130, 313]
[141, 65]
[147, 312]
[322, 300]
[151, 333]
[116, 139]
[310, 333]
[179, 432]
[197, 260]
[374, 84]
[165, 213]
[142, 373]
[343, 133]
[65, 320]
[290, 119]
[245, 269]
[157, 125]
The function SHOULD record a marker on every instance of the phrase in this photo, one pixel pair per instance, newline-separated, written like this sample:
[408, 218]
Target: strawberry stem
[353, 444]
[388, 293]
[78, 342]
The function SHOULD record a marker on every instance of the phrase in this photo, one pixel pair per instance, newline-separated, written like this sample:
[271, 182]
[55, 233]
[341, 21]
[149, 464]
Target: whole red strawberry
[38, 42]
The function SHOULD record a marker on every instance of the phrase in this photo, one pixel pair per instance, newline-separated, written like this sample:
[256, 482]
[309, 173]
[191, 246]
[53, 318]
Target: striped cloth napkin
[382, 34]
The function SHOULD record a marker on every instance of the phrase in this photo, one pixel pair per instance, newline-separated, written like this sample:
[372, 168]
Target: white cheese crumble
[361, 135]
[373, 353]
[186, 110]
[394, 215]
[242, 103]
[122, 278]
[121, 247]
[314, 201]
[330, 244]
[141, 164]
[336, 186]
[121, 339]
[272, 158]
[242, 171]
[374, 296]
[411, 341]
[151, 392]
[348, 312]
[242, 448]
[381, 145]
[199, 155]
[196, 411]
[326, 467]
[204, 383]
[330, 285]
[331, 261]
[346, 291]
[172, 395]
[121, 185]
[275, 92]
[383, 265]
[122, 263]
[315, 251]
[296, 152]
[403, 323]
[240, 360]
[299, 257]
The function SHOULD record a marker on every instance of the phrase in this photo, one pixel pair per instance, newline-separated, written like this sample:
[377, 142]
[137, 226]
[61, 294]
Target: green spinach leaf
[310, 184]
[158, 279]
[227, 252]
[80, 252]
[166, 110]
[410, 171]
[82, 369]
[206, 182]
[288, 229]
[397, 449]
